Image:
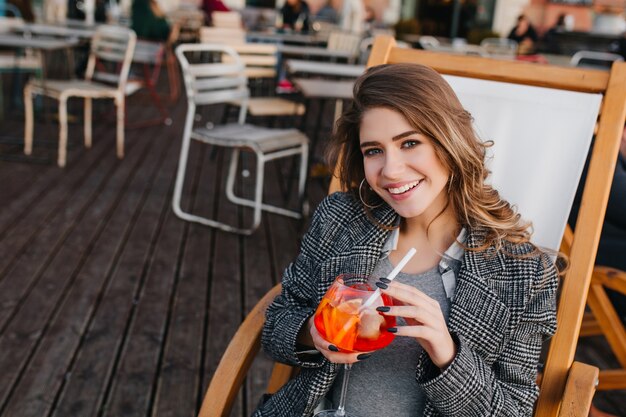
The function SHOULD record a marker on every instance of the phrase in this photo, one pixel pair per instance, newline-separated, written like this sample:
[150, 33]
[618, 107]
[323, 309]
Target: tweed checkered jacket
[503, 308]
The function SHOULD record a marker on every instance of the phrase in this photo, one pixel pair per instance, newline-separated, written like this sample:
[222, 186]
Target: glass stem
[341, 410]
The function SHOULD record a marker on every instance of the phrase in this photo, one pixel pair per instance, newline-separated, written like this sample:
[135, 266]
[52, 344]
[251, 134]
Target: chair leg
[120, 105]
[304, 158]
[62, 131]
[257, 203]
[87, 125]
[29, 119]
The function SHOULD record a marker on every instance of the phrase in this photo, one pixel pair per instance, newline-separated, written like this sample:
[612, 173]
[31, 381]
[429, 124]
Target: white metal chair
[109, 62]
[501, 48]
[594, 59]
[344, 41]
[219, 82]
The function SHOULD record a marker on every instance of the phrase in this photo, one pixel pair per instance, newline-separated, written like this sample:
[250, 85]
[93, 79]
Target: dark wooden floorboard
[55, 352]
[112, 306]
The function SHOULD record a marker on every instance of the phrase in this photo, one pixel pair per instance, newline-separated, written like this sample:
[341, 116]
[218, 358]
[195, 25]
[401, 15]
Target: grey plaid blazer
[503, 308]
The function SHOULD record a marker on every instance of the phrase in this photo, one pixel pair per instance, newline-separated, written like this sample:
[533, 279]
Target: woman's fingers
[332, 353]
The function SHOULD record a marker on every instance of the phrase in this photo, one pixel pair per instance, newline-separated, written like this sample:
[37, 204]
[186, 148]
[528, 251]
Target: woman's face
[401, 165]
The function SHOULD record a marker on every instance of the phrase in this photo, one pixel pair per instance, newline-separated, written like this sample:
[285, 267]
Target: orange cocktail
[343, 319]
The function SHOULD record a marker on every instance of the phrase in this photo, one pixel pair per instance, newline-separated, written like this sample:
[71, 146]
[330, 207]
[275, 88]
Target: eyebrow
[395, 138]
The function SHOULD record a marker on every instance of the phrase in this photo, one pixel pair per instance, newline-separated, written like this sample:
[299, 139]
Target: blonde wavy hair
[430, 105]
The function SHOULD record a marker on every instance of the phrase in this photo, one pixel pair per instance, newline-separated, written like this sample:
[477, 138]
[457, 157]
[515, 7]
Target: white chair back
[112, 49]
[343, 41]
[429, 42]
[594, 59]
[216, 82]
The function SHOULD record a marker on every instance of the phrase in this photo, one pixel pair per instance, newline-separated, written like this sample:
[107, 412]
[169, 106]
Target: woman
[477, 300]
[295, 15]
[525, 35]
[148, 21]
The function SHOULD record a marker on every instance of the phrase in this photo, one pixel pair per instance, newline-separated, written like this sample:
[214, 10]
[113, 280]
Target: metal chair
[594, 59]
[112, 49]
[216, 83]
[501, 48]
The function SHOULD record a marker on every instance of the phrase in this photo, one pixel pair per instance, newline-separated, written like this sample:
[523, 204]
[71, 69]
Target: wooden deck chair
[602, 319]
[567, 387]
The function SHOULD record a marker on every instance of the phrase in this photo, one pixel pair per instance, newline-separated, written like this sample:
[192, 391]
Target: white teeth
[404, 188]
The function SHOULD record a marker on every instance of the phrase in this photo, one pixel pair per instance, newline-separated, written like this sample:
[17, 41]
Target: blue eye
[371, 152]
[410, 144]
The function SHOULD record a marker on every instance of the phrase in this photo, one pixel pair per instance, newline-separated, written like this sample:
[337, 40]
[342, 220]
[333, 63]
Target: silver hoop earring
[361, 196]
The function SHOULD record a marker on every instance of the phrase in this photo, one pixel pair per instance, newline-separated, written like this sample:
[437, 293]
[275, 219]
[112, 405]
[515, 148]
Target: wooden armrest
[580, 387]
[236, 361]
[612, 278]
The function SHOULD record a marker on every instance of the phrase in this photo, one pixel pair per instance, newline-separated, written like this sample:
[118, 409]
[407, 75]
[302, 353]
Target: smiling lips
[404, 188]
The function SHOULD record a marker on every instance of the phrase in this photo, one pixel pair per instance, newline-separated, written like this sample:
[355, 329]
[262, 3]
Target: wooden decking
[112, 306]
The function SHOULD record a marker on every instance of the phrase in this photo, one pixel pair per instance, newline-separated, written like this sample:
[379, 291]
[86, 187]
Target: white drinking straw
[390, 277]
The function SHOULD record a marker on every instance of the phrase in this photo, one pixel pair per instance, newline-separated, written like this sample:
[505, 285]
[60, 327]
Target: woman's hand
[330, 351]
[425, 321]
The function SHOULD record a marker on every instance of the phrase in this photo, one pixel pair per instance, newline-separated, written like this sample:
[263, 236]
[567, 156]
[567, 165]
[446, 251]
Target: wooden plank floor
[112, 306]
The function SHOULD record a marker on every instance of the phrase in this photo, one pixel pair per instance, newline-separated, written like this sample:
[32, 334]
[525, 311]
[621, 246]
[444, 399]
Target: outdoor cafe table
[295, 66]
[323, 90]
[287, 37]
[63, 31]
[42, 44]
[317, 52]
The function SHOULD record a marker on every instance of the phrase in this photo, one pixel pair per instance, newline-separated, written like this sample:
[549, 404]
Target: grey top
[385, 383]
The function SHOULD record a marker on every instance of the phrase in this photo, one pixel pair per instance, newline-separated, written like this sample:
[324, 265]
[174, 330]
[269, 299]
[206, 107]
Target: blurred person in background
[295, 15]
[525, 35]
[148, 21]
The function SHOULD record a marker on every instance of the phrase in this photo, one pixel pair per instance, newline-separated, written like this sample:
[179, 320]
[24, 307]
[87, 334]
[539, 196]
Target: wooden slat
[96, 364]
[140, 364]
[56, 349]
[574, 79]
[179, 383]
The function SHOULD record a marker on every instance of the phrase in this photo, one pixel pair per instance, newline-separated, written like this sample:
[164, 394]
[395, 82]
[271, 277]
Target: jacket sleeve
[298, 299]
[472, 387]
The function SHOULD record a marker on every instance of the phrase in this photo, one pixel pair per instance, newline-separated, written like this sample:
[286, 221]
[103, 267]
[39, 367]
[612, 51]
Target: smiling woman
[473, 306]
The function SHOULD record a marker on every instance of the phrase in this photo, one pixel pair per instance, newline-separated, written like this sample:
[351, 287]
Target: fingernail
[382, 286]
[385, 280]
[383, 309]
[363, 356]
[333, 348]
[392, 330]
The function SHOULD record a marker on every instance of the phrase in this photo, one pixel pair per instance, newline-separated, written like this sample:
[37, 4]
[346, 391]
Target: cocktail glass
[347, 318]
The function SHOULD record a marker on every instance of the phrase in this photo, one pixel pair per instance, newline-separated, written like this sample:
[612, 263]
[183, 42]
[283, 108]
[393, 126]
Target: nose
[394, 166]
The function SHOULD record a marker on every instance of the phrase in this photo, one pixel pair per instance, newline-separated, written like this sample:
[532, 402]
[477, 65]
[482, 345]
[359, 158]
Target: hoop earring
[361, 196]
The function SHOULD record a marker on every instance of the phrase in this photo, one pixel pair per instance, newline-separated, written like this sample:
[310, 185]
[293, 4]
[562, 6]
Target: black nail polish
[363, 356]
[385, 280]
[333, 348]
[383, 309]
[392, 330]
[382, 286]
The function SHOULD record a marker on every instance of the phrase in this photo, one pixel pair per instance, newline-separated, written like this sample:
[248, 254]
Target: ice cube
[369, 324]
